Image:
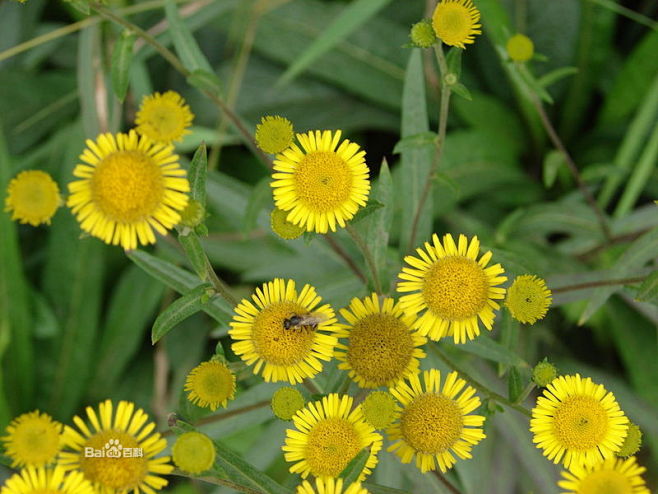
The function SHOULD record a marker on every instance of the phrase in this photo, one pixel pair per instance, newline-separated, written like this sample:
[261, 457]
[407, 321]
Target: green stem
[340, 252]
[219, 285]
[370, 261]
[440, 141]
[524, 394]
[446, 482]
[478, 385]
[218, 481]
[594, 284]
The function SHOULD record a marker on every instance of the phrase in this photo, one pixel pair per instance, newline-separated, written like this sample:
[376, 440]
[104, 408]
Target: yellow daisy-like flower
[328, 435]
[612, 476]
[128, 187]
[578, 422]
[282, 351]
[164, 117]
[456, 22]
[32, 197]
[435, 422]
[210, 385]
[32, 439]
[528, 299]
[520, 48]
[381, 346]
[274, 134]
[193, 452]
[322, 185]
[330, 486]
[118, 454]
[453, 287]
[41, 480]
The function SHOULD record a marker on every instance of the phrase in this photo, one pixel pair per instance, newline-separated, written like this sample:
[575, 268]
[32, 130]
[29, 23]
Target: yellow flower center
[580, 423]
[193, 452]
[323, 181]
[606, 482]
[456, 288]
[120, 473]
[273, 342]
[380, 348]
[35, 441]
[167, 120]
[286, 402]
[213, 383]
[332, 443]
[128, 186]
[379, 409]
[431, 423]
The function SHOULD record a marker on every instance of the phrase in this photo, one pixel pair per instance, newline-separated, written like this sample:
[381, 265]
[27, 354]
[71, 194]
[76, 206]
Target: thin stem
[179, 67]
[440, 141]
[223, 416]
[310, 385]
[525, 393]
[446, 482]
[594, 284]
[557, 142]
[478, 385]
[218, 284]
[219, 481]
[370, 261]
[344, 255]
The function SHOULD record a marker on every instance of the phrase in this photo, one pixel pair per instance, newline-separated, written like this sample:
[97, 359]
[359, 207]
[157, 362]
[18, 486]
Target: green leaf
[553, 161]
[371, 206]
[261, 196]
[88, 43]
[462, 91]
[447, 181]
[379, 224]
[648, 291]
[454, 61]
[195, 254]
[415, 141]
[556, 76]
[80, 5]
[186, 46]
[349, 20]
[198, 173]
[353, 470]
[490, 349]
[514, 384]
[180, 280]
[379, 489]
[122, 56]
[205, 81]
[182, 308]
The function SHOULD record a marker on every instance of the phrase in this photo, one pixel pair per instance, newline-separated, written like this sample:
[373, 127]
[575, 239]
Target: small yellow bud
[193, 452]
[632, 443]
[286, 401]
[284, 228]
[379, 409]
[422, 34]
[520, 48]
[544, 373]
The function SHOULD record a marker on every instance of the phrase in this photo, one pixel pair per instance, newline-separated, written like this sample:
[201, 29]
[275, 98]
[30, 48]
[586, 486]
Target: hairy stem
[594, 284]
[217, 481]
[344, 255]
[446, 482]
[440, 141]
[370, 261]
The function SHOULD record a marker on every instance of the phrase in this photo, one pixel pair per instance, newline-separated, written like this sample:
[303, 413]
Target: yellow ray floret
[127, 188]
[328, 434]
[323, 184]
[577, 422]
[118, 452]
[456, 22]
[164, 117]
[434, 422]
[381, 348]
[282, 353]
[42, 480]
[452, 287]
[330, 486]
[612, 476]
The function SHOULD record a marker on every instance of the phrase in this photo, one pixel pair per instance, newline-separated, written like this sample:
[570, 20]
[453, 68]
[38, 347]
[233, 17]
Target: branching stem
[370, 261]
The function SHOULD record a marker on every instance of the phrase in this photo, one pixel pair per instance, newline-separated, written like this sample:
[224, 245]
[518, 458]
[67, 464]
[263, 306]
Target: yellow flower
[456, 22]
[328, 435]
[323, 185]
[128, 187]
[520, 48]
[282, 227]
[435, 422]
[32, 197]
[453, 287]
[330, 486]
[577, 422]
[41, 480]
[612, 476]
[381, 348]
[274, 134]
[164, 117]
[528, 299]
[286, 401]
[128, 443]
[283, 354]
[379, 409]
[193, 452]
[32, 439]
[210, 384]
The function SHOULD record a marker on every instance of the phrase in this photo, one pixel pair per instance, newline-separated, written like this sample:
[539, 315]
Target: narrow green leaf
[122, 56]
[80, 5]
[490, 349]
[553, 161]
[353, 470]
[648, 291]
[205, 81]
[371, 206]
[180, 280]
[186, 46]
[454, 61]
[462, 91]
[198, 173]
[195, 253]
[87, 47]
[349, 20]
[448, 182]
[260, 196]
[514, 384]
[533, 84]
[415, 141]
[379, 224]
[179, 310]
[556, 75]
